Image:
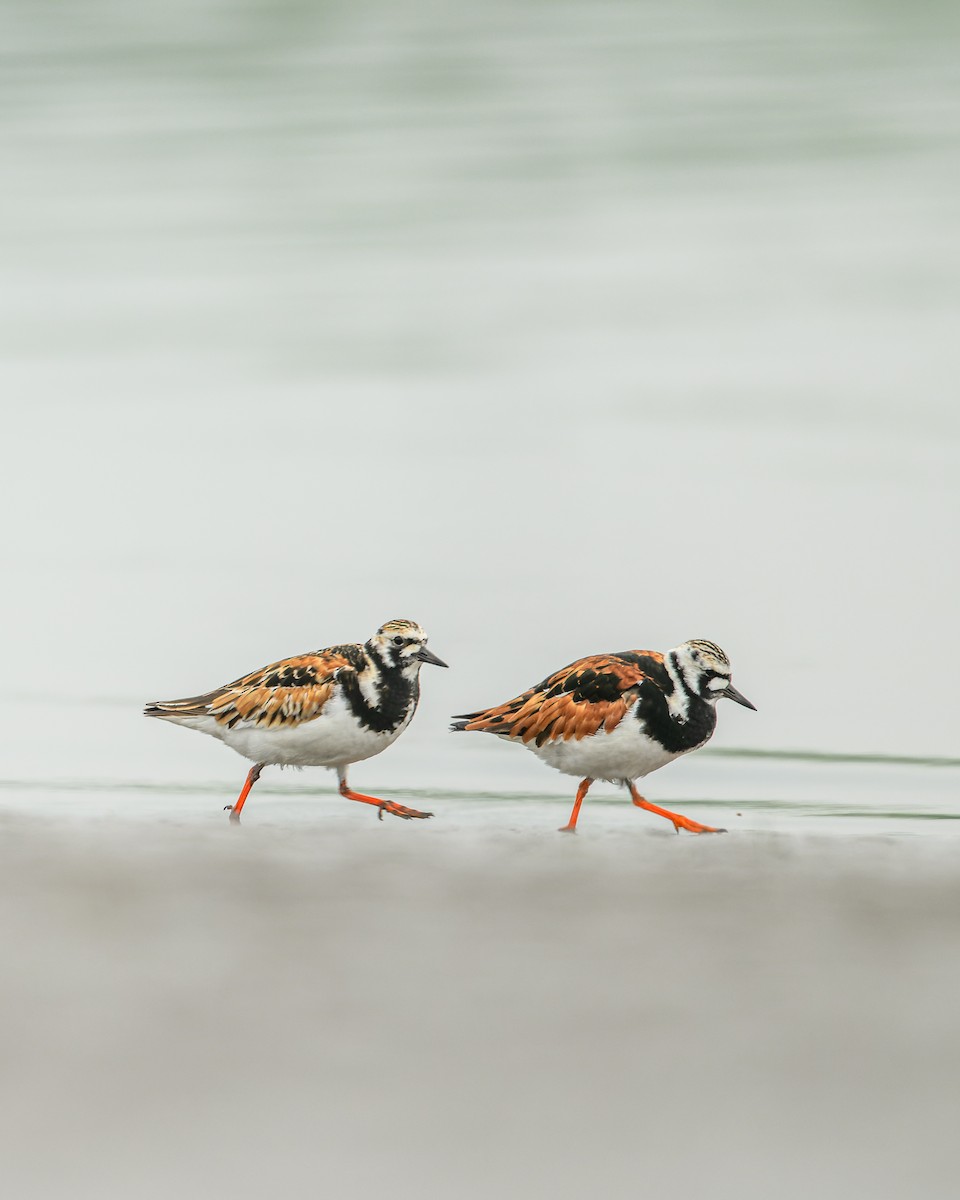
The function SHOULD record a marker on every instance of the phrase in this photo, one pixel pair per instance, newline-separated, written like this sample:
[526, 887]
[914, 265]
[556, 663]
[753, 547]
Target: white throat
[678, 702]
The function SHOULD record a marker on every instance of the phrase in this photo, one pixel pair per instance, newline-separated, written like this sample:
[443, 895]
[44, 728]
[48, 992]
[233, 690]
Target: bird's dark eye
[398, 641]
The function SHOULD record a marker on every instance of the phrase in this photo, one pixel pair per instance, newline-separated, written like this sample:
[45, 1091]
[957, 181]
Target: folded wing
[291, 691]
[575, 702]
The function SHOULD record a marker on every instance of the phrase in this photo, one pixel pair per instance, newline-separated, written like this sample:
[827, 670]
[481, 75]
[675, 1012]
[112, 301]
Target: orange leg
[571, 825]
[252, 776]
[395, 810]
[679, 822]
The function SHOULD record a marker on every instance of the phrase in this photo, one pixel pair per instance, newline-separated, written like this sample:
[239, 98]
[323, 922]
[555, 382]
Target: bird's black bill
[731, 693]
[428, 656]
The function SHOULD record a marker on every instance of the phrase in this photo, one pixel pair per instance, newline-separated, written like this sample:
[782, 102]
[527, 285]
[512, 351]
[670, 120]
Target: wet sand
[559, 333]
[351, 1008]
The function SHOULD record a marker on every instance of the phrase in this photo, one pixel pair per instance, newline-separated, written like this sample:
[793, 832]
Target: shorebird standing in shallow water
[327, 709]
[618, 717]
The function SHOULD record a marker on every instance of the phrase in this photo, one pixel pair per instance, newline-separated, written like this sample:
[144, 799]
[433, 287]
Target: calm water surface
[561, 334]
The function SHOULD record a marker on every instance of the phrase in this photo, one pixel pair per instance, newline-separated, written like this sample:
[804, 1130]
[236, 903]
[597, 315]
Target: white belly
[624, 753]
[333, 739]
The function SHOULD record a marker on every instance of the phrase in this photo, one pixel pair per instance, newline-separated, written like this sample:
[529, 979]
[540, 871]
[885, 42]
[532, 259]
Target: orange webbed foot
[399, 810]
[695, 826]
[679, 821]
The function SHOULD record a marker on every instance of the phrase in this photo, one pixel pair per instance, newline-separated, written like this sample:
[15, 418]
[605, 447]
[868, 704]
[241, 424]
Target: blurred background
[557, 327]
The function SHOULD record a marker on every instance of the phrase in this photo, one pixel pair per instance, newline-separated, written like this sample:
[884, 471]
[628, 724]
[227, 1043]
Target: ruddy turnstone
[618, 717]
[327, 709]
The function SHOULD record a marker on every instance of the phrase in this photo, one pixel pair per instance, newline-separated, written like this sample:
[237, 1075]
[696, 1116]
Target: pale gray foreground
[350, 1009]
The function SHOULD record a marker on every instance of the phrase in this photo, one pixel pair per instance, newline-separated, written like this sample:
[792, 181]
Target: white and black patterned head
[706, 672]
[402, 645]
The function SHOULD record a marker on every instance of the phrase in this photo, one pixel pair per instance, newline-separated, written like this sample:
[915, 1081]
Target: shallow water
[736, 790]
[559, 329]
